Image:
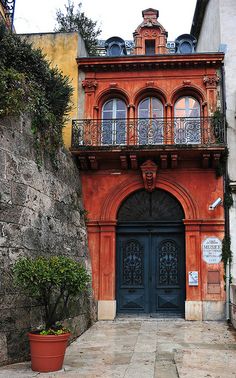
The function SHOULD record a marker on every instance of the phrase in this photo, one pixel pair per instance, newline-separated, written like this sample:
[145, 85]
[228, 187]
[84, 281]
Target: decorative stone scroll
[149, 83]
[187, 83]
[113, 85]
[148, 33]
[149, 172]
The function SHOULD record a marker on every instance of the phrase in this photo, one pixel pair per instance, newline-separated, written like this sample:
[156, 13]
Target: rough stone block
[3, 173]
[3, 348]
[19, 193]
[5, 192]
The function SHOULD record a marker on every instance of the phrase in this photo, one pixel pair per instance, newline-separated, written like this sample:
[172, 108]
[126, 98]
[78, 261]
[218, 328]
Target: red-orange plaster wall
[167, 84]
[196, 189]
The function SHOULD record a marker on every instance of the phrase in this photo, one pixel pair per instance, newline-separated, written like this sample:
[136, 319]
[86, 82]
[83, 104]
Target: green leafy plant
[226, 253]
[52, 281]
[228, 197]
[76, 20]
[221, 167]
[58, 329]
[28, 84]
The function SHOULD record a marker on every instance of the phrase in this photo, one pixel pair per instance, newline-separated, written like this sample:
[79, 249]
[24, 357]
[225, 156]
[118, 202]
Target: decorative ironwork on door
[133, 263]
[168, 263]
[150, 254]
[155, 206]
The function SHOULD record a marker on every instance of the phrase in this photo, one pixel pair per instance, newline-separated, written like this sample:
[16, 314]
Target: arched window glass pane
[115, 50]
[187, 107]
[108, 106]
[113, 122]
[187, 121]
[186, 48]
[121, 105]
[157, 108]
[150, 124]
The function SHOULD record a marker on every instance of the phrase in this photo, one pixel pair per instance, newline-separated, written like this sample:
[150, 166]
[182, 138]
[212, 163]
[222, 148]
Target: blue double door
[151, 269]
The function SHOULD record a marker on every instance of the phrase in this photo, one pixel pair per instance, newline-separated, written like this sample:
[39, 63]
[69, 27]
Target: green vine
[222, 166]
[28, 84]
[228, 197]
[84, 213]
[226, 253]
[217, 122]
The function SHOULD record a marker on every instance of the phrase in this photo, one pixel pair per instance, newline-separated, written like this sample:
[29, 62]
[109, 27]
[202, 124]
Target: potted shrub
[52, 281]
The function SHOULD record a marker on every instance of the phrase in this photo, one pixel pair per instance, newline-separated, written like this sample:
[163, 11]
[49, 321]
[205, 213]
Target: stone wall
[217, 32]
[41, 213]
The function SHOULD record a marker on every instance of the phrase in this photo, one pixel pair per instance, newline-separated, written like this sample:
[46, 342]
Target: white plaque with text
[212, 250]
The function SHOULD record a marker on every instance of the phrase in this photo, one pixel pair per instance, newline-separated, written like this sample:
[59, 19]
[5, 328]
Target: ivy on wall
[28, 84]
[226, 253]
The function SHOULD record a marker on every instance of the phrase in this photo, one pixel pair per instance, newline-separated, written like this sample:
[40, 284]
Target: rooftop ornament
[115, 46]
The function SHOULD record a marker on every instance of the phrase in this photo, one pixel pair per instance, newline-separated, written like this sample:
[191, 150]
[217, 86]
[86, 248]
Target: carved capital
[89, 85]
[131, 106]
[211, 81]
[149, 173]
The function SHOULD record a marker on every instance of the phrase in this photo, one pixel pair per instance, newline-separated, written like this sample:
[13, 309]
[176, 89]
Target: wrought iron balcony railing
[188, 131]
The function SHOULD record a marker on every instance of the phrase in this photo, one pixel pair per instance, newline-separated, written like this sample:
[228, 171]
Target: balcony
[147, 138]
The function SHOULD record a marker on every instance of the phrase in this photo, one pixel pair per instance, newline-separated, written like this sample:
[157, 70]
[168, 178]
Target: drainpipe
[227, 282]
[227, 224]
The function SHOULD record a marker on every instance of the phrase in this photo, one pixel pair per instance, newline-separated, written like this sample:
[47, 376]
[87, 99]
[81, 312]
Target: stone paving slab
[150, 348]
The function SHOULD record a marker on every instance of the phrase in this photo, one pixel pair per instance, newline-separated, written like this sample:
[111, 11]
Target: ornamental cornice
[155, 62]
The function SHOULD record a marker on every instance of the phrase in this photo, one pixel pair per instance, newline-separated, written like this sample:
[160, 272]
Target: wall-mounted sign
[193, 278]
[212, 250]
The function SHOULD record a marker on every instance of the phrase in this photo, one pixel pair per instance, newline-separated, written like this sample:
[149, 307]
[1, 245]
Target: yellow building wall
[61, 50]
[2, 13]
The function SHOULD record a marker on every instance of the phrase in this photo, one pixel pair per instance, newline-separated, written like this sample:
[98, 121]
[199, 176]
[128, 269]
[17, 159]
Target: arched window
[187, 125]
[114, 122]
[150, 124]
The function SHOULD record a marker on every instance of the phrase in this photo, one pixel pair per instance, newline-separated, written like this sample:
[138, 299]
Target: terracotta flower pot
[47, 351]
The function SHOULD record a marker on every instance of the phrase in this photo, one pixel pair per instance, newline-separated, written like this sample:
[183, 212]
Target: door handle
[167, 291]
[131, 290]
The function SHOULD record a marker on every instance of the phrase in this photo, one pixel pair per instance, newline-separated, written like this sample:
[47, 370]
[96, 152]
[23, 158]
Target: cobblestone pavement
[145, 348]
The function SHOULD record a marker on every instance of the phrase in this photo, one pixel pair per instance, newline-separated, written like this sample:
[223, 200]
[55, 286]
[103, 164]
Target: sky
[115, 17]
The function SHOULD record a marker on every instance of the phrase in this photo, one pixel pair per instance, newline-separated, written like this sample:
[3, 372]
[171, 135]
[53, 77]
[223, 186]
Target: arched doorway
[150, 254]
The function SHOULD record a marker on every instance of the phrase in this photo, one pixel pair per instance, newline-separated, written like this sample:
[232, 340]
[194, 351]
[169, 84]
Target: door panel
[150, 271]
[168, 265]
[132, 273]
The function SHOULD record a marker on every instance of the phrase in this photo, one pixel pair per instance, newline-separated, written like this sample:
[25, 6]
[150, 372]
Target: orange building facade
[148, 148]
